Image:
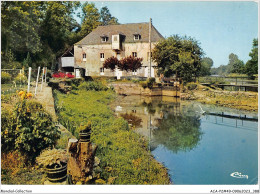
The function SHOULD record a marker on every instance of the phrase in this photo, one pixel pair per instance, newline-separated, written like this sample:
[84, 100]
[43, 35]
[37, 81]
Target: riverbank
[233, 99]
[124, 155]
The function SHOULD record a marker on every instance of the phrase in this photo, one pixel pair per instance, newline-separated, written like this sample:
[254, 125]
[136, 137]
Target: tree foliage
[91, 18]
[111, 63]
[251, 67]
[36, 33]
[20, 27]
[106, 17]
[235, 65]
[178, 55]
[206, 64]
[129, 63]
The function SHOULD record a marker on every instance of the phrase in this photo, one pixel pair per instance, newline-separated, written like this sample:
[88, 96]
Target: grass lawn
[124, 154]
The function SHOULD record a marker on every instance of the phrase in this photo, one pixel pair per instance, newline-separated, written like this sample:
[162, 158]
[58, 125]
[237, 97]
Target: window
[102, 71]
[84, 56]
[137, 36]
[104, 39]
[115, 38]
[134, 54]
[102, 56]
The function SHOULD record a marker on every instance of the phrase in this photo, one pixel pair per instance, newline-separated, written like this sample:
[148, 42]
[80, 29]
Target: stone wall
[136, 89]
[93, 62]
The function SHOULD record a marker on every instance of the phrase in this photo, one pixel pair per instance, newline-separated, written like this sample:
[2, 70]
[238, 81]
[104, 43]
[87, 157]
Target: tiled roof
[128, 30]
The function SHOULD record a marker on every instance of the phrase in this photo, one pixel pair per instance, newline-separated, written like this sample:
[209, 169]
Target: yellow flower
[29, 95]
[21, 93]
[6, 132]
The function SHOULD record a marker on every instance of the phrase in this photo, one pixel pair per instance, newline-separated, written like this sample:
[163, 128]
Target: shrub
[29, 129]
[191, 86]
[20, 78]
[63, 141]
[12, 161]
[93, 85]
[5, 77]
[50, 157]
[148, 83]
[143, 84]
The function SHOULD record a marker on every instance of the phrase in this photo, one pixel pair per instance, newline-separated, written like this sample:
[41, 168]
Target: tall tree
[206, 64]
[20, 27]
[251, 67]
[221, 70]
[106, 17]
[91, 18]
[235, 65]
[58, 23]
[178, 55]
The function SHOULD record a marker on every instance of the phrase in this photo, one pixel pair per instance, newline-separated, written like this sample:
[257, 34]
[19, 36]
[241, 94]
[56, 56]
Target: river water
[196, 146]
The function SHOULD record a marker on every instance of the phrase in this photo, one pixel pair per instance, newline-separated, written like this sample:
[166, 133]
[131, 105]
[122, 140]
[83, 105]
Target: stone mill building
[119, 41]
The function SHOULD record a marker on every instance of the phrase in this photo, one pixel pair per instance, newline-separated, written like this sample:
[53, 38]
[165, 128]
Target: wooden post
[37, 80]
[29, 79]
[20, 79]
[45, 73]
[42, 77]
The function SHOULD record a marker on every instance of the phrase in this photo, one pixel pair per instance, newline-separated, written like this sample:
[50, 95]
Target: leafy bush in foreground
[28, 128]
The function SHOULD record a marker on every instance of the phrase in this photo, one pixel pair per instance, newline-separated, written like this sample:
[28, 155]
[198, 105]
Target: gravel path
[47, 100]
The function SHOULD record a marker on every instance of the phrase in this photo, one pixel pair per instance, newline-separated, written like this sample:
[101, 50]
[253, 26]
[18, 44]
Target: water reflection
[222, 140]
[162, 120]
[177, 132]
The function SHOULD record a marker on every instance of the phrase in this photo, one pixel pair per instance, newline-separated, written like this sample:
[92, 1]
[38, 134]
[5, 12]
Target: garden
[26, 130]
[32, 142]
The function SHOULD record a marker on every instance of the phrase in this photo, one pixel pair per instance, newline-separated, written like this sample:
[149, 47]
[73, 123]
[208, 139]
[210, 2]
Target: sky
[221, 27]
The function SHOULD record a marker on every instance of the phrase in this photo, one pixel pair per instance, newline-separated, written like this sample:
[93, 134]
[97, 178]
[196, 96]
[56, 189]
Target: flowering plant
[62, 75]
[69, 75]
[25, 95]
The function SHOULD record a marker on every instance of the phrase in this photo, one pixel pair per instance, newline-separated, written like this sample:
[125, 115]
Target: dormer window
[104, 38]
[137, 36]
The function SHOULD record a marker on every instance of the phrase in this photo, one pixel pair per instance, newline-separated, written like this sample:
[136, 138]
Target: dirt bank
[234, 99]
